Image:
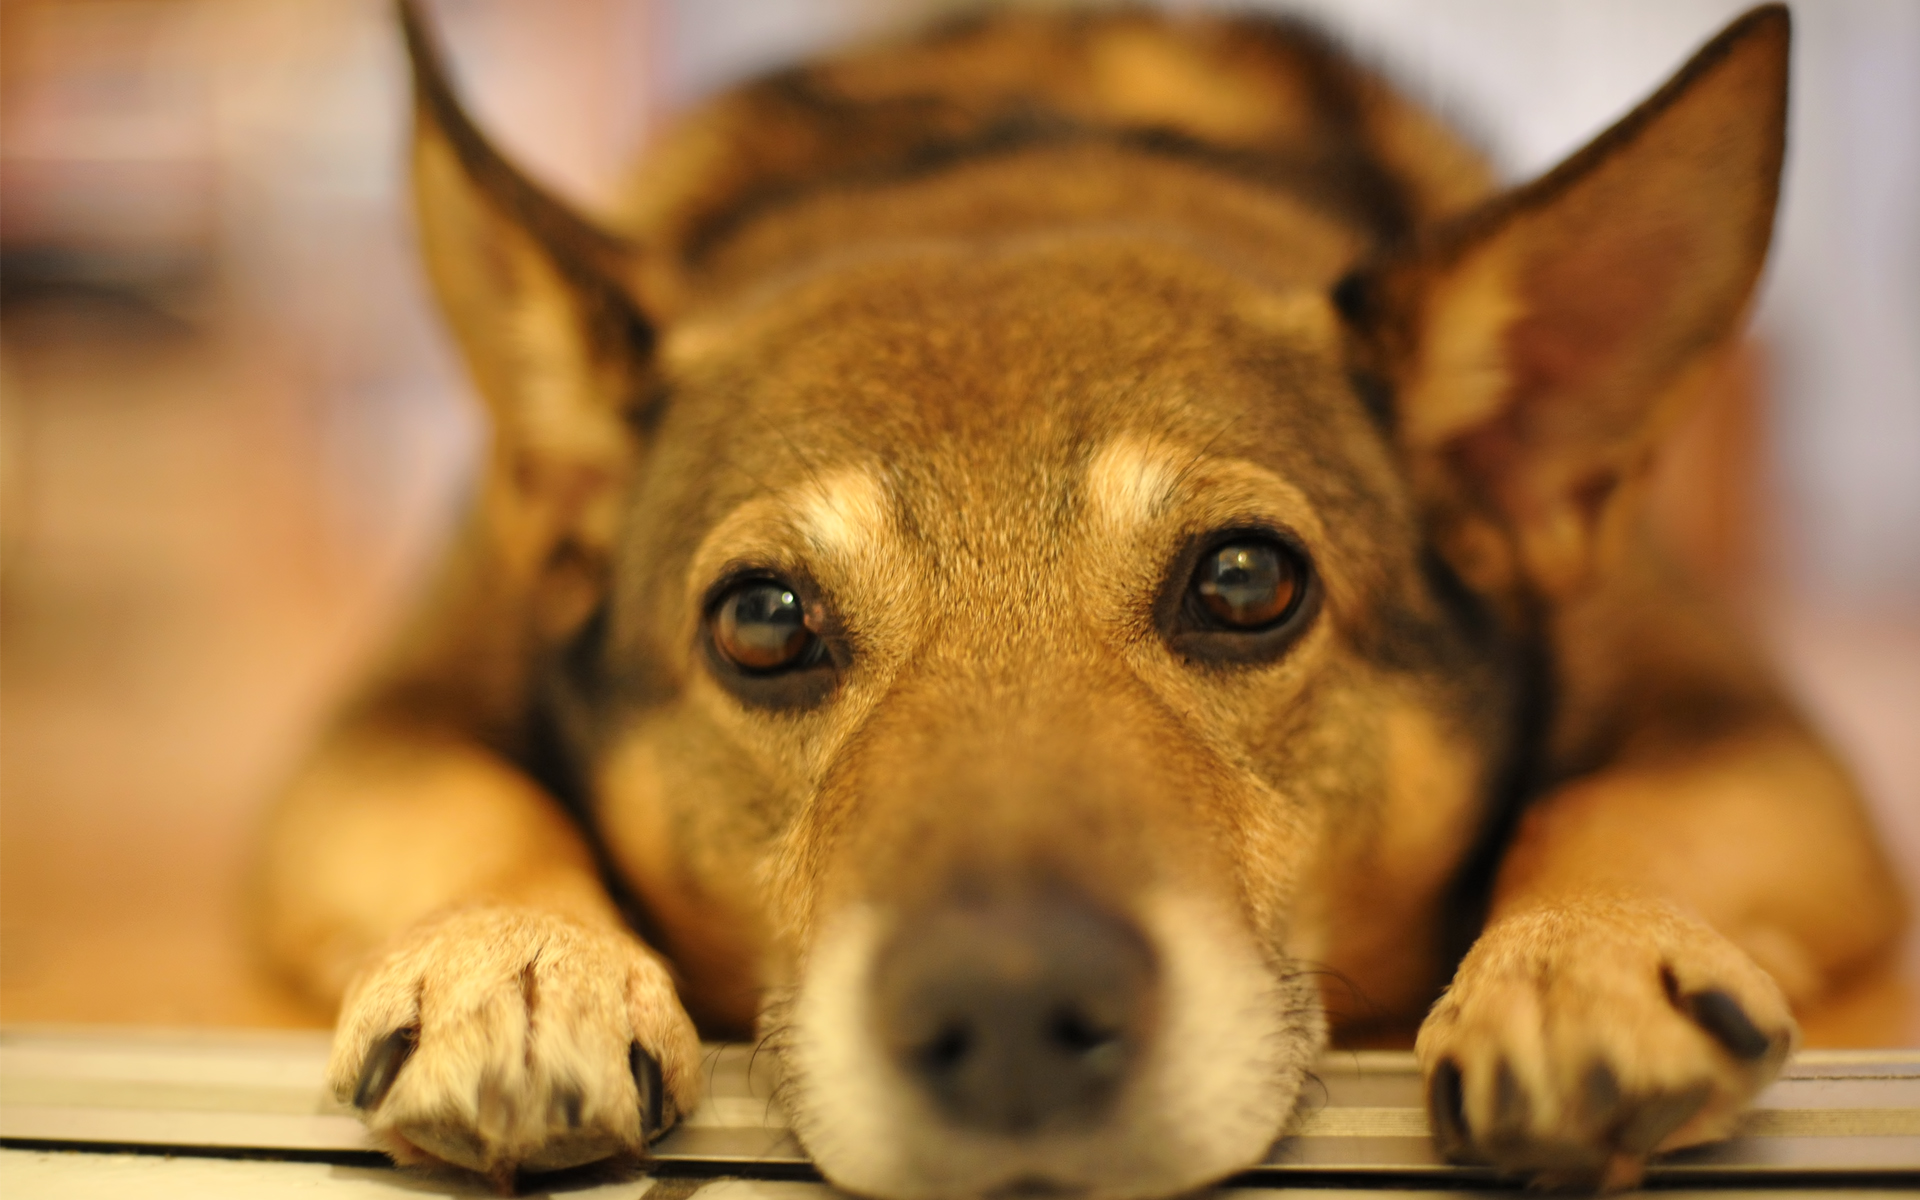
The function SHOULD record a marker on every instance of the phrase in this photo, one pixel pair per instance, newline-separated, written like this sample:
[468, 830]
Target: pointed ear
[1539, 346]
[538, 299]
[536, 295]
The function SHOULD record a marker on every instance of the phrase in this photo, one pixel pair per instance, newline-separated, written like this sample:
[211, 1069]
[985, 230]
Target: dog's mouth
[1036, 1043]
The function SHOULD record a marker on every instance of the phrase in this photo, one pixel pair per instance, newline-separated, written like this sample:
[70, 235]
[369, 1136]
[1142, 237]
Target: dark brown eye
[1247, 585]
[761, 626]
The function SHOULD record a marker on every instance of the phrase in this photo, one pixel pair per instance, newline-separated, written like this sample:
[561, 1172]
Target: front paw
[506, 1039]
[1575, 1041]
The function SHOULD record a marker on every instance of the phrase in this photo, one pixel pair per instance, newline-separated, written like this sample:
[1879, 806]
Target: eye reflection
[1247, 585]
[761, 625]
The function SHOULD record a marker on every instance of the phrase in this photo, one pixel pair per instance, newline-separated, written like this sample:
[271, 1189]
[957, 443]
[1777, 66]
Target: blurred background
[232, 432]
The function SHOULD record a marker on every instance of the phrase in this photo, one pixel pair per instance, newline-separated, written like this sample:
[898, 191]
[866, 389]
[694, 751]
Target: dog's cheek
[696, 883]
[636, 820]
[1372, 790]
[1390, 884]
[1304, 745]
[1432, 779]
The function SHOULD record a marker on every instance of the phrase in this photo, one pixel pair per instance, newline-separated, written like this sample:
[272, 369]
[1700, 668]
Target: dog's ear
[1539, 346]
[539, 301]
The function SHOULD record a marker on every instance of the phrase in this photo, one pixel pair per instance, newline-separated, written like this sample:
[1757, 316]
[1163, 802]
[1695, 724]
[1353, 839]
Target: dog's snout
[1017, 1015]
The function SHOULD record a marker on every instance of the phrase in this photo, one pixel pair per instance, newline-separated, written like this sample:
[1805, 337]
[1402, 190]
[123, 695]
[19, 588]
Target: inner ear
[1539, 346]
[588, 255]
[1586, 306]
[498, 245]
[540, 301]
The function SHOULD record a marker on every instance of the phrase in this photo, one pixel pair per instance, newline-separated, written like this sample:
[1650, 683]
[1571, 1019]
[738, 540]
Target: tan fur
[971, 342]
[527, 1011]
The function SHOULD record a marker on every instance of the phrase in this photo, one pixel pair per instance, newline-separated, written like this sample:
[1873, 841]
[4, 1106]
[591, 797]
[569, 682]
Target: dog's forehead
[979, 382]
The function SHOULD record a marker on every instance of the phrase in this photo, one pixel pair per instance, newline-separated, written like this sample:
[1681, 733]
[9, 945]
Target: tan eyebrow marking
[1135, 481]
[1131, 480]
[844, 512]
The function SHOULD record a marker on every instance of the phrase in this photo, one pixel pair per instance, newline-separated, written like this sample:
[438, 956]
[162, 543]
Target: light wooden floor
[188, 581]
[1833, 1121]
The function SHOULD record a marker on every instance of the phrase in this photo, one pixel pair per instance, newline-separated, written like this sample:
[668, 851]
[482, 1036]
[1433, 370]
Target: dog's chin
[1212, 1090]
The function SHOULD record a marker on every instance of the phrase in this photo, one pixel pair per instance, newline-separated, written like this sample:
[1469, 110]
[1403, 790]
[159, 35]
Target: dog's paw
[1576, 1041]
[507, 1039]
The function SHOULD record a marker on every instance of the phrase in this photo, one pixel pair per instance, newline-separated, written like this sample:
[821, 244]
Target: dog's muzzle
[1025, 1036]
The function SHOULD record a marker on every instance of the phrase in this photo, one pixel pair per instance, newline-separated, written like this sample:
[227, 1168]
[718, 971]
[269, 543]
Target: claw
[566, 1105]
[1511, 1107]
[1727, 1023]
[383, 1066]
[646, 1077]
[1448, 1106]
[1602, 1095]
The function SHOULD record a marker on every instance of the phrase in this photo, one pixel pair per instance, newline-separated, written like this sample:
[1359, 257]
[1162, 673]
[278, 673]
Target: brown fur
[969, 339]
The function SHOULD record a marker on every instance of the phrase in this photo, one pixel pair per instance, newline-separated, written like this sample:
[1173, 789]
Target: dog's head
[1023, 649]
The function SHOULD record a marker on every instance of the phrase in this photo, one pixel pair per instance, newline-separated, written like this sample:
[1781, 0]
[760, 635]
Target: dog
[1021, 555]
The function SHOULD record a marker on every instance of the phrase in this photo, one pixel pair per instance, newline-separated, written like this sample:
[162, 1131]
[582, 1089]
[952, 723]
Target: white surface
[46, 1175]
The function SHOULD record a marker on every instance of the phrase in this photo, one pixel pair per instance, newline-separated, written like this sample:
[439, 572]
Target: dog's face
[1048, 594]
[1026, 659]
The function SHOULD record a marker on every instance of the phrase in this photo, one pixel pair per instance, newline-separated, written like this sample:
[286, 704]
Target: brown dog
[1031, 549]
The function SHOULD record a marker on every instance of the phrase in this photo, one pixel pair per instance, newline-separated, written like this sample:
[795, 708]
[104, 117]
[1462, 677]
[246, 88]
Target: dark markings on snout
[1020, 1013]
[383, 1066]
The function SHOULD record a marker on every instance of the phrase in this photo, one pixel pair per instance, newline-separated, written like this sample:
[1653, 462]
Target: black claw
[383, 1066]
[1727, 1023]
[1511, 1108]
[1658, 1117]
[1670, 984]
[1447, 1105]
[567, 1105]
[1602, 1094]
[646, 1077]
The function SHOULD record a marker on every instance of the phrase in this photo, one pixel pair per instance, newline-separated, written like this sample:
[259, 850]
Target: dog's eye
[1248, 584]
[761, 626]
[1238, 597]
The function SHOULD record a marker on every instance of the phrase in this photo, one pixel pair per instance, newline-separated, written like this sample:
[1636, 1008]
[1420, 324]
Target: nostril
[1073, 1031]
[948, 1049]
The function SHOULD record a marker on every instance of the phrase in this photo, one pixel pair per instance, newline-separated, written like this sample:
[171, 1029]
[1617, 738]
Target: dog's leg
[496, 1014]
[1655, 923]
[1702, 861]
[1651, 927]
[502, 1016]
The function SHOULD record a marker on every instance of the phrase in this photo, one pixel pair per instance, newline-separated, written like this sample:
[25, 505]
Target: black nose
[1017, 1013]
